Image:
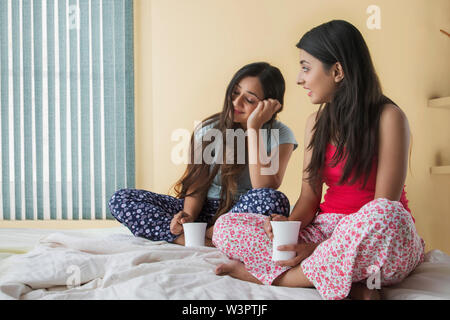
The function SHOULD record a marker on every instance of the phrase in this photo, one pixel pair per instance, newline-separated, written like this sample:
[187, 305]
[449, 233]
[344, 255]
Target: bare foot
[359, 291]
[236, 269]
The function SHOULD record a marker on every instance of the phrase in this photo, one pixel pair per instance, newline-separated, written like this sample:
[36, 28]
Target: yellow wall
[188, 50]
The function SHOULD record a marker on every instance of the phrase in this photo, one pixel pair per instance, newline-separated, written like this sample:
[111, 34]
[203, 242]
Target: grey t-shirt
[285, 135]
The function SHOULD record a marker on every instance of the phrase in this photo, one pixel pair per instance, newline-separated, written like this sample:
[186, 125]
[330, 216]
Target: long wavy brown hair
[273, 85]
[351, 119]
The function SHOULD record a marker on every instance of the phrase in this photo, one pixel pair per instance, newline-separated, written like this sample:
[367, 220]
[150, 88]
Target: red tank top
[348, 198]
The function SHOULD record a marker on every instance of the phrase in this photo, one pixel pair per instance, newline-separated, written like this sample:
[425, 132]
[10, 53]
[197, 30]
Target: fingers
[289, 263]
[272, 104]
[278, 217]
[268, 228]
[288, 247]
[269, 234]
[259, 108]
[176, 228]
[260, 104]
[278, 105]
[263, 112]
[176, 225]
[294, 261]
[268, 106]
[185, 220]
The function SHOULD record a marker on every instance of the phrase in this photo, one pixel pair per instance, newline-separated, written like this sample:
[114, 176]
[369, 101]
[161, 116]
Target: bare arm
[306, 207]
[265, 171]
[308, 202]
[394, 136]
[193, 204]
[270, 174]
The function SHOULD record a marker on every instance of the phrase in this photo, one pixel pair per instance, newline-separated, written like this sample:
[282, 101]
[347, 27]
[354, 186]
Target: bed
[110, 263]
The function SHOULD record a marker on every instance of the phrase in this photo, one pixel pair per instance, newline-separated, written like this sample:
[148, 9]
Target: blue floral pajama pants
[147, 214]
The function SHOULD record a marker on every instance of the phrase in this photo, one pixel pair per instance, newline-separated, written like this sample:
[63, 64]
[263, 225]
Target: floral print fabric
[148, 214]
[379, 240]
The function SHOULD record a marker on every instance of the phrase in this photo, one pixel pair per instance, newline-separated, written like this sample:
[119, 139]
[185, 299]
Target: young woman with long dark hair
[357, 144]
[210, 188]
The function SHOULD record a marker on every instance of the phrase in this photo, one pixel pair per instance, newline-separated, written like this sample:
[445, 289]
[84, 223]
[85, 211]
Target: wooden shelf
[439, 103]
[440, 170]
[443, 103]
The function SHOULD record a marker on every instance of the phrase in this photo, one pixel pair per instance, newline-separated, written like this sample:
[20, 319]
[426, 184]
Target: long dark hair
[273, 85]
[351, 119]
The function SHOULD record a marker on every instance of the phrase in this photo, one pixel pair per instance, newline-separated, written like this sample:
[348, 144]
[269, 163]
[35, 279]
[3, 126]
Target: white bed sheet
[113, 264]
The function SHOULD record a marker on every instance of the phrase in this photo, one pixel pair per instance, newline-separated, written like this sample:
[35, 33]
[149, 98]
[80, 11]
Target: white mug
[284, 232]
[194, 234]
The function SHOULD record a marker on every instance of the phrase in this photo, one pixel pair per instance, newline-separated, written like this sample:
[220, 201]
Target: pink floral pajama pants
[379, 240]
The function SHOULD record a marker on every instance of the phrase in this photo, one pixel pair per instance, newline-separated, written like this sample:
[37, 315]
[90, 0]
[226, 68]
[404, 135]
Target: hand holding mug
[268, 226]
[303, 251]
[176, 225]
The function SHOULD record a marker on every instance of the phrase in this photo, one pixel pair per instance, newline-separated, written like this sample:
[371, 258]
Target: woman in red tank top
[362, 236]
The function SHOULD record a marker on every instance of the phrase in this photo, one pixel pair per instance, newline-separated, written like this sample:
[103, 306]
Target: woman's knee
[123, 198]
[222, 227]
[383, 206]
[393, 212]
[222, 223]
[266, 191]
[264, 201]
[116, 203]
[281, 201]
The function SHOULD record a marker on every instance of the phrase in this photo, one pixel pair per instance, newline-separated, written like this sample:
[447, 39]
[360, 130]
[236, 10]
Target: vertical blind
[67, 107]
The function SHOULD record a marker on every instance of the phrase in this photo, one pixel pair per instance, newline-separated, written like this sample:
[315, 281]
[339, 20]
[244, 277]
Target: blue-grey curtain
[67, 107]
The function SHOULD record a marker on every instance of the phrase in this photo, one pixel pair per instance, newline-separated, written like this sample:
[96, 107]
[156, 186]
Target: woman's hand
[268, 226]
[303, 250]
[263, 113]
[176, 225]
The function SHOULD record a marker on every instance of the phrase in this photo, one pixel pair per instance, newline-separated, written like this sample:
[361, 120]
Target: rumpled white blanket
[120, 266]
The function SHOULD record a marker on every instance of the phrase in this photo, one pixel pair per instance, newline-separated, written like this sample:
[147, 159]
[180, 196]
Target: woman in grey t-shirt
[238, 160]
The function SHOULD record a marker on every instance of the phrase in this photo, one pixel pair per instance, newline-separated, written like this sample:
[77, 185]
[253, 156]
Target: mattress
[110, 263]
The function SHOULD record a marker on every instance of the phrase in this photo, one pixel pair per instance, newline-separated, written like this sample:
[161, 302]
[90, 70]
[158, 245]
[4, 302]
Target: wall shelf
[440, 170]
[439, 103]
[443, 103]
